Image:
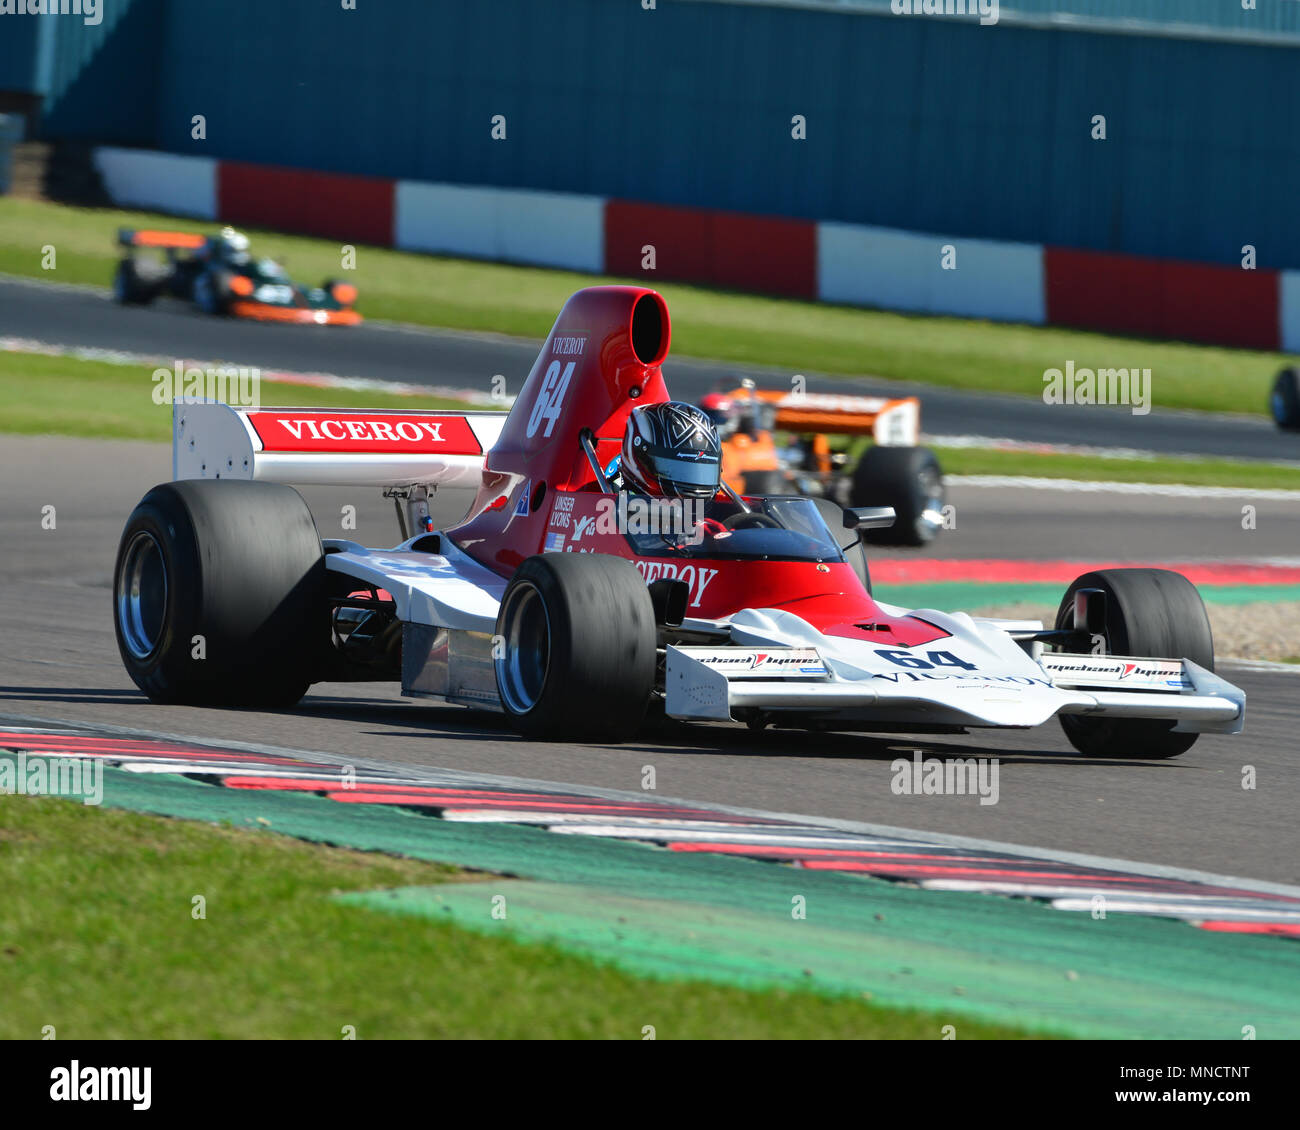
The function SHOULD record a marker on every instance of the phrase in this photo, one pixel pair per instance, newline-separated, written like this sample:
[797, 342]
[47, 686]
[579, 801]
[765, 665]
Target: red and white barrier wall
[183, 186]
[851, 264]
[544, 228]
[897, 270]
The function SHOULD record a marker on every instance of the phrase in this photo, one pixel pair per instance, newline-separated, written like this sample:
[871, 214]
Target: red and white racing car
[561, 603]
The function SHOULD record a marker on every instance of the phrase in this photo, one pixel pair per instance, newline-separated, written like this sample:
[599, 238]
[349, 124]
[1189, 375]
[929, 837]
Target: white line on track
[1168, 490]
[332, 781]
[1083, 892]
[290, 377]
[52, 284]
[721, 832]
[671, 827]
[999, 443]
[1189, 908]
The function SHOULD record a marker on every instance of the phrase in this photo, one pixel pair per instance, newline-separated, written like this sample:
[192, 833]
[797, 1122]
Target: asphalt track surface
[60, 661]
[83, 316]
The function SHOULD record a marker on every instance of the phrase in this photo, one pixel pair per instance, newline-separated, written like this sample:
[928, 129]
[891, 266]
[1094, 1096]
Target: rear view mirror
[869, 517]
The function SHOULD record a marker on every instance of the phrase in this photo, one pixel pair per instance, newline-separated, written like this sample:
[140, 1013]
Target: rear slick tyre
[910, 480]
[129, 289]
[219, 594]
[1284, 401]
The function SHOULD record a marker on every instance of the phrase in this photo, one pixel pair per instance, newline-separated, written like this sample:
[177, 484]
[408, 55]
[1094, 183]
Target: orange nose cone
[241, 284]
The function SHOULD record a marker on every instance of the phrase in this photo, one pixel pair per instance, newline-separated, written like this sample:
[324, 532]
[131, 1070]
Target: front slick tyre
[218, 594]
[576, 648]
[1151, 613]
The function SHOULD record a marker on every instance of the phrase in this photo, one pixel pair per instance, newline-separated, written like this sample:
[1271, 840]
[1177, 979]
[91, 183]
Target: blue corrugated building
[916, 122]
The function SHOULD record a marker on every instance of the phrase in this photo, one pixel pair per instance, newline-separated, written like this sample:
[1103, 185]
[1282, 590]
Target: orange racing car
[776, 442]
[219, 276]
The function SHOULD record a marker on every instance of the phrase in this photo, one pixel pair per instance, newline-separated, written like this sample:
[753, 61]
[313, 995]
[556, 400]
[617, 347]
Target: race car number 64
[936, 659]
[550, 399]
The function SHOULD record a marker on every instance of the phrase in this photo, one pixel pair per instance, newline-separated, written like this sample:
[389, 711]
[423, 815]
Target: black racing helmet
[671, 450]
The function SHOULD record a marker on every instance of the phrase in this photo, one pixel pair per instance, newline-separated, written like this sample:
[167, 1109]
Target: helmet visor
[698, 473]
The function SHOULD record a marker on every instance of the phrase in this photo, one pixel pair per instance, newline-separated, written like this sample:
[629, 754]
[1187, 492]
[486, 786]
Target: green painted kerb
[677, 915]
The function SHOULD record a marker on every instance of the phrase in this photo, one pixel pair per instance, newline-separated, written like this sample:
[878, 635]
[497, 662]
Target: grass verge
[800, 336]
[98, 940]
[51, 395]
[63, 395]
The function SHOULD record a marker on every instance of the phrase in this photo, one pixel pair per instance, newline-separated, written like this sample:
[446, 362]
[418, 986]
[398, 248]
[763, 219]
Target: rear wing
[890, 422]
[174, 240]
[318, 446]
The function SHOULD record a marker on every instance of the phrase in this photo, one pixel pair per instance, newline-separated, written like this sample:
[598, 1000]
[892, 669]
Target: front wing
[982, 677]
